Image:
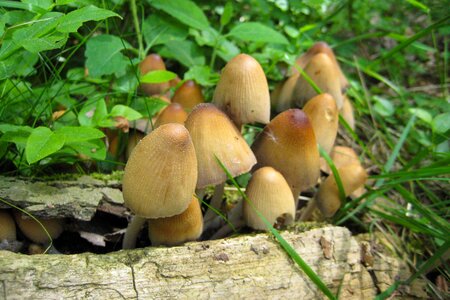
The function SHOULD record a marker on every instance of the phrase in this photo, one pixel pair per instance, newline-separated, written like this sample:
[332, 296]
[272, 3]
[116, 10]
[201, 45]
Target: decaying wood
[77, 199]
[251, 267]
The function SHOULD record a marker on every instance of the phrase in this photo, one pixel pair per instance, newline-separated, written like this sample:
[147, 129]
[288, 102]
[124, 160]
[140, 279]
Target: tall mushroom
[173, 113]
[242, 91]
[289, 145]
[160, 177]
[153, 62]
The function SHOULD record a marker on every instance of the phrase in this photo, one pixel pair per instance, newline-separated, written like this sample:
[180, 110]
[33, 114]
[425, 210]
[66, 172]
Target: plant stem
[137, 28]
[215, 203]
[130, 237]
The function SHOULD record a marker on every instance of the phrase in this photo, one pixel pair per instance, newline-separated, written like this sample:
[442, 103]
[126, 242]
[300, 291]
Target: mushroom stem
[216, 202]
[226, 230]
[130, 237]
[309, 209]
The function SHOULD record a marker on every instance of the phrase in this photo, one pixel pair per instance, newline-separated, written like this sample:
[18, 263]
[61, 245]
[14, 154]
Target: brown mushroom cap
[213, 134]
[270, 194]
[352, 176]
[32, 230]
[347, 113]
[175, 230]
[161, 173]
[189, 94]
[134, 138]
[284, 98]
[153, 62]
[173, 113]
[289, 145]
[320, 47]
[242, 91]
[323, 115]
[324, 73]
[7, 226]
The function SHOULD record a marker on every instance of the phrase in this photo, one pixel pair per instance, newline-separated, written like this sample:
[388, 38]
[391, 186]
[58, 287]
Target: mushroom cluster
[192, 142]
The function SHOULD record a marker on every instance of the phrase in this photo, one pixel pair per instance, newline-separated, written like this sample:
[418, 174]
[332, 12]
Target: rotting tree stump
[246, 266]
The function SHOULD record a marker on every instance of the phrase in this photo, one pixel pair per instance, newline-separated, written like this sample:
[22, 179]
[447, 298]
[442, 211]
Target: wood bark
[246, 266]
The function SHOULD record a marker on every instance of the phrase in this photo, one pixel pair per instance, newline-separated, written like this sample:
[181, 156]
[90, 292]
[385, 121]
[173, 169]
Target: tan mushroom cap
[32, 230]
[352, 176]
[189, 94]
[284, 98]
[133, 139]
[243, 92]
[341, 156]
[213, 134]
[324, 73]
[173, 113]
[270, 194]
[323, 115]
[289, 145]
[161, 173]
[347, 113]
[7, 226]
[175, 230]
[153, 62]
[320, 47]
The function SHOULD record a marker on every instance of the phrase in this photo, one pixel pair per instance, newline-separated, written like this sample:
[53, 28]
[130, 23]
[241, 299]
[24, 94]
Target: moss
[299, 227]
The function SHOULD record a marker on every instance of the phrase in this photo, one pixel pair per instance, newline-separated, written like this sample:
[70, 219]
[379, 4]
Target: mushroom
[214, 135]
[341, 156]
[242, 91]
[323, 115]
[173, 113]
[269, 194]
[134, 138]
[175, 230]
[289, 145]
[327, 198]
[160, 177]
[325, 74]
[7, 226]
[32, 230]
[284, 99]
[189, 94]
[347, 113]
[153, 62]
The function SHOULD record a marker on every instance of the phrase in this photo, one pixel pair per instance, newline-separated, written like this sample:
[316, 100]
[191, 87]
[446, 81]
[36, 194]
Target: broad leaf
[227, 14]
[186, 52]
[257, 32]
[95, 149]
[73, 20]
[202, 75]
[45, 4]
[41, 143]
[185, 11]
[158, 76]
[159, 30]
[75, 134]
[126, 112]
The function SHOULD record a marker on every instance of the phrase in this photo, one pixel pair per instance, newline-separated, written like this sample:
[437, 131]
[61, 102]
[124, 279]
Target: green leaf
[202, 75]
[19, 64]
[73, 20]
[45, 4]
[421, 114]
[227, 14]
[159, 30]
[75, 134]
[185, 11]
[158, 76]
[41, 143]
[95, 149]
[441, 127]
[149, 107]
[104, 57]
[186, 52]
[257, 32]
[383, 107]
[126, 112]
[15, 134]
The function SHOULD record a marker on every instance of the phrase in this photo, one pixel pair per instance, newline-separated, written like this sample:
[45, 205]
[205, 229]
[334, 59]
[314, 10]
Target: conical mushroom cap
[289, 145]
[161, 173]
[173, 113]
[285, 97]
[243, 92]
[189, 94]
[175, 230]
[213, 134]
[324, 73]
[32, 230]
[347, 113]
[270, 194]
[352, 176]
[153, 62]
[341, 156]
[7, 226]
[323, 115]
[320, 47]
[133, 139]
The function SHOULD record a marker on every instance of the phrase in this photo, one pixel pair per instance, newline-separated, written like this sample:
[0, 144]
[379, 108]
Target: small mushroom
[269, 194]
[284, 99]
[242, 91]
[160, 177]
[32, 230]
[327, 198]
[153, 62]
[289, 145]
[347, 113]
[323, 115]
[325, 75]
[175, 230]
[173, 113]
[7, 226]
[189, 94]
